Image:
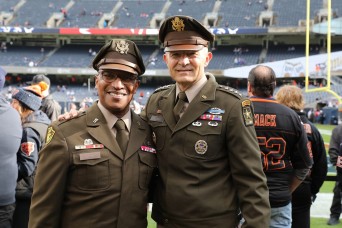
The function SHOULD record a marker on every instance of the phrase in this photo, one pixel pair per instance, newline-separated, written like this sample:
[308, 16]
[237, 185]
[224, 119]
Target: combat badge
[201, 147]
[49, 135]
[216, 111]
[247, 113]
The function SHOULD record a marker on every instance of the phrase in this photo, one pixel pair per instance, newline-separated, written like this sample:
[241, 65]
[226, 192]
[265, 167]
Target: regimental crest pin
[178, 24]
[201, 147]
[49, 135]
[121, 46]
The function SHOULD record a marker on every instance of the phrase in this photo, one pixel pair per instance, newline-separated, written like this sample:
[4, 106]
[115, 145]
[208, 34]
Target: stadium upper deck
[55, 37]
[149, 13]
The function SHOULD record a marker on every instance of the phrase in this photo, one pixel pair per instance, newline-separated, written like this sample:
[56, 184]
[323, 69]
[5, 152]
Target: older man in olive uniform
[208, 154]
[89, 173]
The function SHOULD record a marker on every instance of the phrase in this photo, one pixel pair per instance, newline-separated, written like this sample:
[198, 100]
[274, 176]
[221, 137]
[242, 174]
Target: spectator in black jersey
[283, 143]
[334, 147]
[339, 172]
[305, 194]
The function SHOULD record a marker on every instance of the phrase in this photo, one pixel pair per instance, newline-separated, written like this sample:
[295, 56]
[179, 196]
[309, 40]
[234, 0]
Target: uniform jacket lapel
[201, 103]
[98, 128]
[137, 135]
[166, 105]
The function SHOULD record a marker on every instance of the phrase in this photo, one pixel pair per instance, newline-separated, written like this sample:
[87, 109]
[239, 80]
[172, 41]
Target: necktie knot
[182, 96]
[179, 107]
[122, 136]
[120, 125]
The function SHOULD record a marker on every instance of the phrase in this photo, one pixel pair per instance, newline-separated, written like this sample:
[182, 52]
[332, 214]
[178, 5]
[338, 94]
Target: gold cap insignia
[49, 135]
[178, 24]
[121, 46]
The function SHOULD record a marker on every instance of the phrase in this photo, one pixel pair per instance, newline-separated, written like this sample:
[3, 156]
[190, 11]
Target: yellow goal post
[307, 49]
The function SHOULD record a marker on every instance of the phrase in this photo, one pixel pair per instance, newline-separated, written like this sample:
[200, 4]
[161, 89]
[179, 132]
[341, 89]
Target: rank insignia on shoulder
[148, 149]
[230, 90]
[247, 113]
[163, 88]
[49, 135]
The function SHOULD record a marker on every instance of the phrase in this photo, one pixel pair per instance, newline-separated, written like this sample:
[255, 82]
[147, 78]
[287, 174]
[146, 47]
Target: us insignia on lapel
[49, 135]
[247, 113]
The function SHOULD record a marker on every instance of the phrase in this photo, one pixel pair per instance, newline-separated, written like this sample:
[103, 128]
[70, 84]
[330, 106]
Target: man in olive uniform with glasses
[95, 169]
[208, 154]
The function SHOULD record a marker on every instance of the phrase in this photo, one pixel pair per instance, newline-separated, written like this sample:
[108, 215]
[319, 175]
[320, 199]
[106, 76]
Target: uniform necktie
[121, 134]
[177, 110]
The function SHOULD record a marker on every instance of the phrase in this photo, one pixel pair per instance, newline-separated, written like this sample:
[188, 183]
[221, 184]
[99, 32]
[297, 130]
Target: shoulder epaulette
[230, 90]
[79, 114]
[163, 88]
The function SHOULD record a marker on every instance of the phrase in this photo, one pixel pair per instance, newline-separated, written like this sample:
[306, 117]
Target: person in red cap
[208, 154]
[95, 170]
[27, 101]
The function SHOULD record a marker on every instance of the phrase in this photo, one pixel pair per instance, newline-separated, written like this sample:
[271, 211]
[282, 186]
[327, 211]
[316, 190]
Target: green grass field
[326, 188]
[315, 223]
[325, 132]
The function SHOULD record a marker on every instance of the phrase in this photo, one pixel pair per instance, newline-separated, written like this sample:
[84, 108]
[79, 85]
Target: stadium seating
[289, 12]
[337, 5]
[147, 53]
[234, 56]
[282, 52]
[240, 13]
[72, 56]
[23, 56]
[35, 13]
[194, 8]
[87, 13]
[137, 14]
[8, 5]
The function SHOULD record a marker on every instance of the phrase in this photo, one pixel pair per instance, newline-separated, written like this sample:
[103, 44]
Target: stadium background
[60, 37]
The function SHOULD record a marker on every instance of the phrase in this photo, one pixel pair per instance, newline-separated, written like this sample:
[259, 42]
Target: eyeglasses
[111, 76]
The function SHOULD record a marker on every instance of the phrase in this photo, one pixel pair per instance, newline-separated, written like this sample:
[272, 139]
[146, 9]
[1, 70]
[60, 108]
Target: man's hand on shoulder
[69, 115]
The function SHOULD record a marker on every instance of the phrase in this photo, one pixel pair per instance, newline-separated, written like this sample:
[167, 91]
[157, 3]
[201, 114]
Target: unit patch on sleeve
[27, 148]
[49, 135]
[247, 113]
